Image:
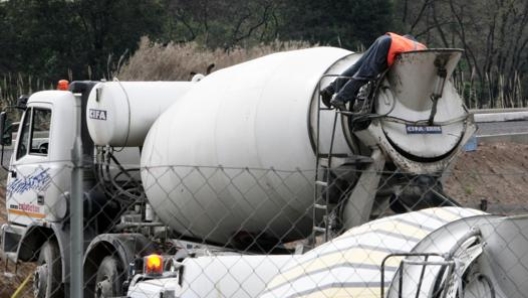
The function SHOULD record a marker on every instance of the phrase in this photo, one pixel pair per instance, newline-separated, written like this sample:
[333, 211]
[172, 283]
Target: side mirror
[22, 102]
[5, 140]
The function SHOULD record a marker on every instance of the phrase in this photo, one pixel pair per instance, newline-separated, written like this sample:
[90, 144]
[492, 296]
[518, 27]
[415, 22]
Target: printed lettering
[417, 129]
[97, 114]
[29, 208]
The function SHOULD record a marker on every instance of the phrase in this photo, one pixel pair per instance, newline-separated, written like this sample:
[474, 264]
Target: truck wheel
[108, 281]
[48, 274]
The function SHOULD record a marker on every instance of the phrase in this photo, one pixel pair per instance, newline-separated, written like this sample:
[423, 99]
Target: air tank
[236, 155]
[119, 114]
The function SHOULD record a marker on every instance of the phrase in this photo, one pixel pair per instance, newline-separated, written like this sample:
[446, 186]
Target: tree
[221, 24]
[493, 35]
[348, 24]
[111, 28]
[36, 34]
[52, 38]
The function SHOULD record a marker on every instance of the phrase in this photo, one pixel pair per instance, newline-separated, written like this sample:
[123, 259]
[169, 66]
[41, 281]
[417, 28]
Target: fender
[450, 239]
[126, 247]
[35, 236]
[32, 240]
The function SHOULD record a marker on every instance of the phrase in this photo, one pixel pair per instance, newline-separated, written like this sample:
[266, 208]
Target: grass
[14, 85]
[495, 92]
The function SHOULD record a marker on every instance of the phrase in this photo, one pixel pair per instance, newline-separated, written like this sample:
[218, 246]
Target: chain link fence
[247, 232]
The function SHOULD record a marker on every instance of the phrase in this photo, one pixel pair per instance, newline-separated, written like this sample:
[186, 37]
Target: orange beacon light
[63, 85]
[153, 264]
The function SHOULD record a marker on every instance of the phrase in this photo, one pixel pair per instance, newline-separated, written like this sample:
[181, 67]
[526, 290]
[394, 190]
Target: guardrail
[488, 116]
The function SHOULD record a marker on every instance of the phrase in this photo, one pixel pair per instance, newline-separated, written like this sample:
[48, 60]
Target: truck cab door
[31, 173]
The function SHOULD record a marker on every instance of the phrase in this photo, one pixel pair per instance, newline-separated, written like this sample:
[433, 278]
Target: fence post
[76, 203]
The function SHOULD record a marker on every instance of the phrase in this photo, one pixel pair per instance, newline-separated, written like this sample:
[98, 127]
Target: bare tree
[493, 35]
[224, 24]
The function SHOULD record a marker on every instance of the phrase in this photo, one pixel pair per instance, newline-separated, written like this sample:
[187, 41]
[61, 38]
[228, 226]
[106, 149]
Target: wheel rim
[39, 280]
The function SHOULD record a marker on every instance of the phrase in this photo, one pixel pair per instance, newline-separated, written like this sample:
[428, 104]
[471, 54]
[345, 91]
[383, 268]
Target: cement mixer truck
[246, 159]
[434, 252]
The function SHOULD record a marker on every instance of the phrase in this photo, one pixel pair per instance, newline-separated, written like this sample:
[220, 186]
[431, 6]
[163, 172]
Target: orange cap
[63, 85]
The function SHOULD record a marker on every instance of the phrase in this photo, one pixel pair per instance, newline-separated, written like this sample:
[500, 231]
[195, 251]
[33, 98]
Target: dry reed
[14, 85]
[171, 62]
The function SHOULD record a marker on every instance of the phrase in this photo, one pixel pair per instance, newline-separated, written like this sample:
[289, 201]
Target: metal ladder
[323, 215]
[324, 162]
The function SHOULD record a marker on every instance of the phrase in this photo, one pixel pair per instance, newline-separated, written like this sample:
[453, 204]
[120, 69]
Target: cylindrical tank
[236, 155]
[120, 114]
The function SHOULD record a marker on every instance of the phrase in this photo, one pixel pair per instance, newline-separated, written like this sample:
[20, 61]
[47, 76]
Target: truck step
[319, 229]
[321, 183]
[320, 206]
[347, 113]
[325, 109]
[349, 160]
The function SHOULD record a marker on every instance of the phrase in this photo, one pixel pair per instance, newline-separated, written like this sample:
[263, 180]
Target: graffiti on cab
[38, 181]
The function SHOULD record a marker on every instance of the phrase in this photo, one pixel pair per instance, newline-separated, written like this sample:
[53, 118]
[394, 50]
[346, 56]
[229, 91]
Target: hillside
[497, 173]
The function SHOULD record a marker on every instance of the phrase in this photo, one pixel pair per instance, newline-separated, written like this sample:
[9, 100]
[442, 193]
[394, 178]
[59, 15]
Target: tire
[47, 278]
[109, 278]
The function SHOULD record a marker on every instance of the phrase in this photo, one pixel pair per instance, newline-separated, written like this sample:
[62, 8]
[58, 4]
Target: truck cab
[31, 197]
[40, 186]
